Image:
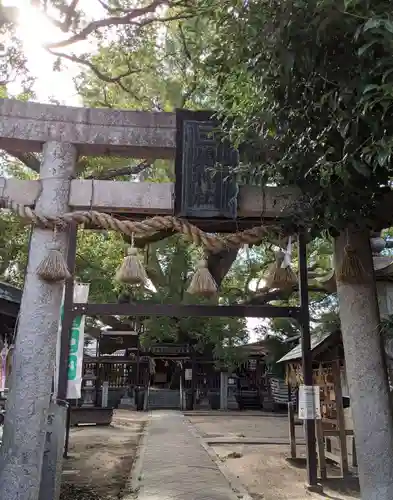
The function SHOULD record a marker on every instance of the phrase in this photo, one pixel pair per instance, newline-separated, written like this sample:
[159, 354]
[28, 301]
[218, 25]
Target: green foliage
[306, 86]
[279, 82]
[170, 265]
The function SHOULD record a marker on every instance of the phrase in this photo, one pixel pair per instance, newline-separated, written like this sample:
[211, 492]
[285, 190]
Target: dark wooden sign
[204, 187]
[167, 349]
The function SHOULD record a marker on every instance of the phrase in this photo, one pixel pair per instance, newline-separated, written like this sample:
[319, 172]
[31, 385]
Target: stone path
[175, 466]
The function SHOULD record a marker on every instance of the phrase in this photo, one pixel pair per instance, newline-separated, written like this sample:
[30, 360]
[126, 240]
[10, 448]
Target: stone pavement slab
[175, 465]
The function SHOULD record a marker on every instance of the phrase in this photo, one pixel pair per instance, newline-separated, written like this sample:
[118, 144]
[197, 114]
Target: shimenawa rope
[211, 242]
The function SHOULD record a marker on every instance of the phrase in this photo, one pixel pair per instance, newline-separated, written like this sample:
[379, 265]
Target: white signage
[309, 402]
[75, 357]
[188, 374]
[3, 368]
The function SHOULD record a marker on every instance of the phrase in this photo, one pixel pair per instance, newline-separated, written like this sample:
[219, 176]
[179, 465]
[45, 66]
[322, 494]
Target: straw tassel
[131, 270]
[202, 282]
[53, 267]
[281, 274]
[351, 269]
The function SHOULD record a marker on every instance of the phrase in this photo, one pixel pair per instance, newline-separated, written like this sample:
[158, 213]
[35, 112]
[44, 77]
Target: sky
[35, 30]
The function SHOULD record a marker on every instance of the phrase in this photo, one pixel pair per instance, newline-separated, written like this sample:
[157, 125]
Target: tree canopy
[306, 86]
[303, 89]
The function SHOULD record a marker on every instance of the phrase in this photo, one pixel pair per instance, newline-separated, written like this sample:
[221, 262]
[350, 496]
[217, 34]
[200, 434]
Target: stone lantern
[89, 389]
[383, 268]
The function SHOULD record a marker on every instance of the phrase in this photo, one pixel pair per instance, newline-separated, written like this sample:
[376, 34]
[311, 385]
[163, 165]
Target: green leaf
[388, 25]
[386, 75]
[365, 47]
[369, 88]
[372, 23]
[383, 157]
[361, 168]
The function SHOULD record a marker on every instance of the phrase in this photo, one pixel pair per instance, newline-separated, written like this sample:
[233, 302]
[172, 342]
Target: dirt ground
[263, 469]
[101, 458]
[248, 424]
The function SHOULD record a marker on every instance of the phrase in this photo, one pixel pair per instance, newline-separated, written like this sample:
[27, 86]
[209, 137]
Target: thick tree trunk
[366, 371]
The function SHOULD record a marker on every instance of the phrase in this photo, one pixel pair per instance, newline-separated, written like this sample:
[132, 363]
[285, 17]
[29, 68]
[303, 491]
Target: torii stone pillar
[35, 348]
[366, 373]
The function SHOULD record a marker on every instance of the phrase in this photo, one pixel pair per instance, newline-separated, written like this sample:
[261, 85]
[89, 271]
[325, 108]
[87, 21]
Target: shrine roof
[255, 348]
[10, 293]
[317, 339]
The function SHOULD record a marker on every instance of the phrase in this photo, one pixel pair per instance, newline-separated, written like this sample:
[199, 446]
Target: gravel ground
[101, 458]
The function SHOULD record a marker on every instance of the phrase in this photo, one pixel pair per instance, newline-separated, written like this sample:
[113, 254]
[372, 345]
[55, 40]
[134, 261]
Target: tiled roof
[10, 293]
[296, 352]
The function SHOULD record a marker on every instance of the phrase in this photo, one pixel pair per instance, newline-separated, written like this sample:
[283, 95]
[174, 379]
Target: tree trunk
[366, 372]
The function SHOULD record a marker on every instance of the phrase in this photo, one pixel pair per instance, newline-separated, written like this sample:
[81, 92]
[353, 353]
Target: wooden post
[138, 355]
[354, 455]
[321, 450]
[340, 417]
[307, 358]
[66, 326]
[292, 434]
[21, 453]
[193, 376]
[66, 329]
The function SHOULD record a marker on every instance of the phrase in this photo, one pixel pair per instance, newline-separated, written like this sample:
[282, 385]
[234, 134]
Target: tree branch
[68, 10]
[112, 10]
[28, 159]
[106, 23]
[117, 172]
[93, 68]
[220, 263]
[268, 295]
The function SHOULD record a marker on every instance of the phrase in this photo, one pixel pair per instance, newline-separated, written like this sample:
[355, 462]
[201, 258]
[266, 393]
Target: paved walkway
[175, 466]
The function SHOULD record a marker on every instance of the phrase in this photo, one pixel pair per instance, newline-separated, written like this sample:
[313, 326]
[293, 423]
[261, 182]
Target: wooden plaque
[204, 187]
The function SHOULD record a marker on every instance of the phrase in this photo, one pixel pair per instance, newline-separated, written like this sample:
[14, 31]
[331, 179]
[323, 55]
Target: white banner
[75, 358]
[3, 368]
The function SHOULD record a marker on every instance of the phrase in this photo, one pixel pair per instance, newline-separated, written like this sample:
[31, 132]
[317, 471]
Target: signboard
[75, 357]
[309, 402]
[204, 186]
[168, 349]
[188, 374]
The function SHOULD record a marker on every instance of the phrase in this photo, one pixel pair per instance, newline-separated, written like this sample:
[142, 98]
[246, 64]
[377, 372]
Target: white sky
[35, 30]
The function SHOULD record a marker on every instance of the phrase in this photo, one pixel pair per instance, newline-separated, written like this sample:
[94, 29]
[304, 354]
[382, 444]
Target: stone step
[163, 399]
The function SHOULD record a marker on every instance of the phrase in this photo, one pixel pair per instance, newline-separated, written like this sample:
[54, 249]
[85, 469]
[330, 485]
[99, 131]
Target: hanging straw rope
[131, 270]
[351, 269]
[203, 283]
[211, 242]
[281, 274]
[53, 267]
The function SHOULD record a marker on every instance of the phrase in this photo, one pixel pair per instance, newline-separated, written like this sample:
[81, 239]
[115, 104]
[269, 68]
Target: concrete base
[94, 415]
[316, 488]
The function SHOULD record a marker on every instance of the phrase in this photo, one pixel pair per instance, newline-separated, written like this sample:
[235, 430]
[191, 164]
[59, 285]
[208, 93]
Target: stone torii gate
[61, 134]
